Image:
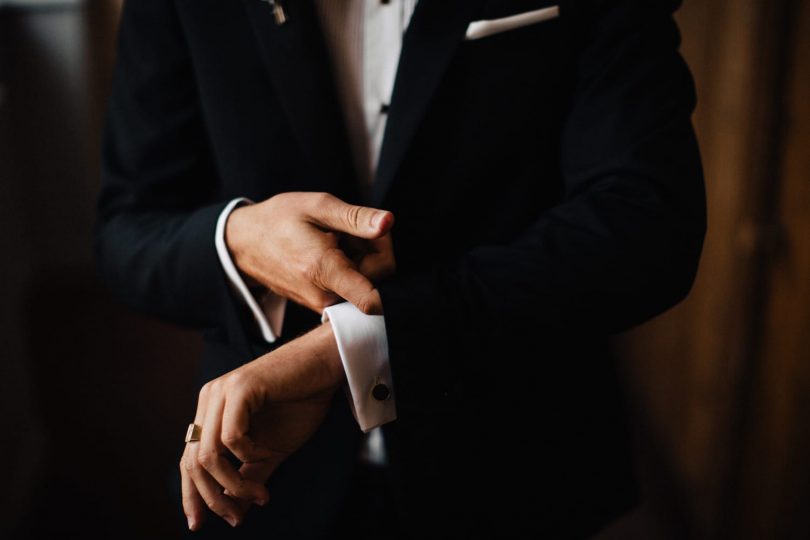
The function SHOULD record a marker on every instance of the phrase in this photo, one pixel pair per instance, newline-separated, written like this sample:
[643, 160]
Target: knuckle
[288, 201]
[207, 458]
[235, 380]
[320, 198]
[231, 438]
[318, 202]
[210, 388]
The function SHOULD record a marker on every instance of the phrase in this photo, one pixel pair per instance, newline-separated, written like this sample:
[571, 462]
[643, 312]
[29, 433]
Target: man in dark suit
[540, 164]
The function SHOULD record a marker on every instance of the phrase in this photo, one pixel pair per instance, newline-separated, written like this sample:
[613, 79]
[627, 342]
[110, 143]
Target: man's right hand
[291, 244]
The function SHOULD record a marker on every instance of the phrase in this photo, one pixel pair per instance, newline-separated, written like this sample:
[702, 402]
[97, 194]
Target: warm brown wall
[775, 469]
[722, 381]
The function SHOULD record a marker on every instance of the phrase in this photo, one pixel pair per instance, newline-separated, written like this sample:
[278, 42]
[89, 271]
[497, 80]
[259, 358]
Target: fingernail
[377, 220]
[260, 502]
[231, 521]
[192, 525]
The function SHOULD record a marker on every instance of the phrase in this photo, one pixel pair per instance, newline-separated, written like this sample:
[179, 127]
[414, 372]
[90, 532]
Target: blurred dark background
[94, 399]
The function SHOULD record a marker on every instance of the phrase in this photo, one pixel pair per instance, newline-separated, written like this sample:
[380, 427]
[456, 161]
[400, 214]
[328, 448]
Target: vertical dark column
[93, 399]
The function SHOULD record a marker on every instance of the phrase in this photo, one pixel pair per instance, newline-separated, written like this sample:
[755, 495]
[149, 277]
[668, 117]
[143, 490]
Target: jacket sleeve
[621, 247]
[157, 212]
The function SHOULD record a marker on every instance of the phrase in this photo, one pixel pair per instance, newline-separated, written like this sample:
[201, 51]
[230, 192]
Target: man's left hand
[261, 412]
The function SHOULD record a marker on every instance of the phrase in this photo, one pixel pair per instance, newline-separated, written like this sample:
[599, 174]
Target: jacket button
[381, 392]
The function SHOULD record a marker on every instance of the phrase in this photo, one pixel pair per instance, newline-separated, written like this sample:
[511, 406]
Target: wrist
[237, 245]
[328, 355]
[307, 366]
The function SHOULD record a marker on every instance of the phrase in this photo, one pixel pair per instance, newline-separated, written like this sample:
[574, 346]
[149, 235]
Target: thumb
[359, 221]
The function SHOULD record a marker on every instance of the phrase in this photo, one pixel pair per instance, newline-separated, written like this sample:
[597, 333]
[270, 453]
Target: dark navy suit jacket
[548, 193]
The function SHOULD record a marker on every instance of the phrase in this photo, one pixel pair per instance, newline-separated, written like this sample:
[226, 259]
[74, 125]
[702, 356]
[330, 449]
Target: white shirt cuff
[268, 310]
[363, 346]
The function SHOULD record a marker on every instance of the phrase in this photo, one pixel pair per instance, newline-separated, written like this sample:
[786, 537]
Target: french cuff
[268, 309]
[363, 345]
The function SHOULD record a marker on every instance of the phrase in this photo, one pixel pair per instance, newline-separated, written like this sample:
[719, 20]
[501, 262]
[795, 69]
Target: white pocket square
[480, 29]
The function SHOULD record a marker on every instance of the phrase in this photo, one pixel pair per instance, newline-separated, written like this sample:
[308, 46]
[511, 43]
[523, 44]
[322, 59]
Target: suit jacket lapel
[295, 55]
[436, 29]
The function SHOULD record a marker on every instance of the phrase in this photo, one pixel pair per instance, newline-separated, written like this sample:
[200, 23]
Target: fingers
[211, 456]
[198, 485]
[261, 471]
[338, 274]
[376, 266]
[379, 263]
[212, 494]
[331, 213]
[235, 428]
[193, 504]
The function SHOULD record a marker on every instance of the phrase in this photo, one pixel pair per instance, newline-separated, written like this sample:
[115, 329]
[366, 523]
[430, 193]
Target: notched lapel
[436, 29]
[295, 55]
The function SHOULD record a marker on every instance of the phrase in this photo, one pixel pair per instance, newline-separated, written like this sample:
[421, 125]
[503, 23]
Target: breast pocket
[515, 51]
[485, 28]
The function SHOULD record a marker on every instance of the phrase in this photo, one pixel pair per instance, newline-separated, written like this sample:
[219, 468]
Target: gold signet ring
[193, 433]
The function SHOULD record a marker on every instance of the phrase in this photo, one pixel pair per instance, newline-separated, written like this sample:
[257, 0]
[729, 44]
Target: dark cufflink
[384, 108]
[381, 392]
